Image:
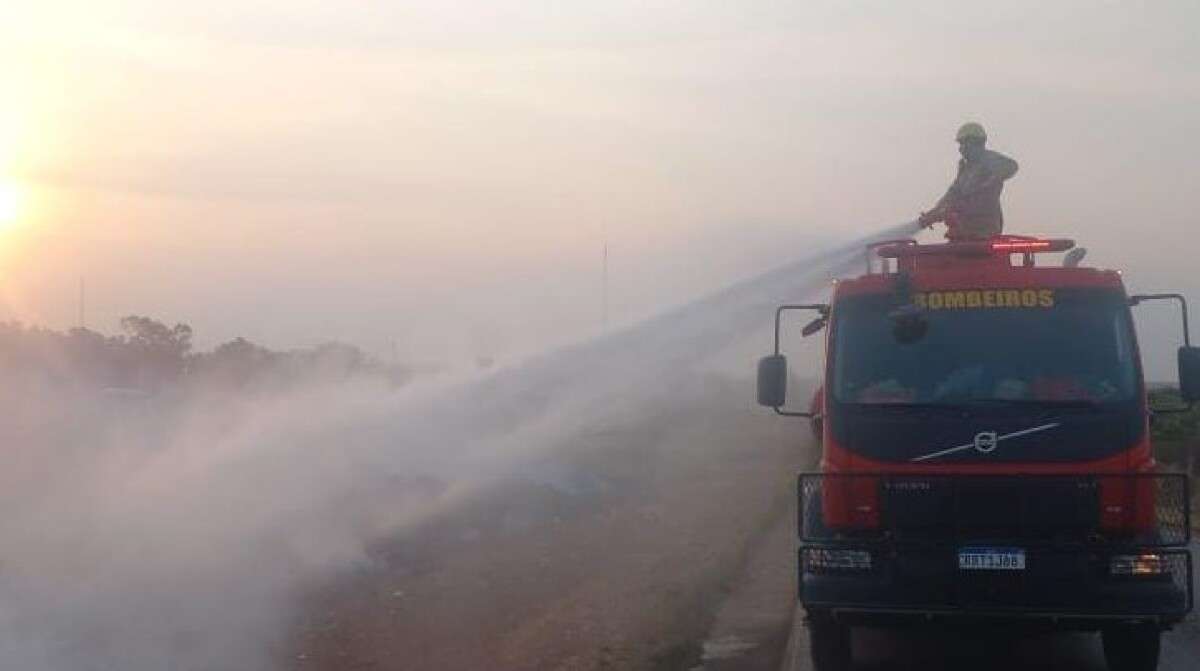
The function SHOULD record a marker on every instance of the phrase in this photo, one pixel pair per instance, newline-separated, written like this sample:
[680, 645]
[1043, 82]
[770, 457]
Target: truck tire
[829, 642]
[1131, 647]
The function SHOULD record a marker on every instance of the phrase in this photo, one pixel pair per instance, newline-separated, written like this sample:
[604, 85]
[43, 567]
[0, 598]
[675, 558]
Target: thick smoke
[153, 533]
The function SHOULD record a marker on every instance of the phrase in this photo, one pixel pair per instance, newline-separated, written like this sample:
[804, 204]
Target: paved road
[881, 650]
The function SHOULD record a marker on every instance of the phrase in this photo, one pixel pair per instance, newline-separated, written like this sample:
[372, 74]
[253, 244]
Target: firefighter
[971, 206]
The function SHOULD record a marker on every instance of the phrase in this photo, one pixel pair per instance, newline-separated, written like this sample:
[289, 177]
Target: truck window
[1062, 345]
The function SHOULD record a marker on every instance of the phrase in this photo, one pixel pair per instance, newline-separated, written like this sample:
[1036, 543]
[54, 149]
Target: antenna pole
[82, 305]
[604, 286]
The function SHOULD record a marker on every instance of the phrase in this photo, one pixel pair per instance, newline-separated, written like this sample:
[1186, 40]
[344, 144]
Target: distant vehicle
[986, 452]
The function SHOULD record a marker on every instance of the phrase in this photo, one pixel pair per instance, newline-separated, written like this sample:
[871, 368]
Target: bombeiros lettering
[985, 298]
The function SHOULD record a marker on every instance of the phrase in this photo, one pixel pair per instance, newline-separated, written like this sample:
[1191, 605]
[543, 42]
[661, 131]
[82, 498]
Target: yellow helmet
[969, 131]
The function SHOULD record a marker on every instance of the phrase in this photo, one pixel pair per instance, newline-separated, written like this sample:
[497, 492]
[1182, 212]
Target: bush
[1176, 436]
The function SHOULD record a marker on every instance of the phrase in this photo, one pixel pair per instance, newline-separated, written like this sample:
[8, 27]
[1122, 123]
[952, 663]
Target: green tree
[159, 352]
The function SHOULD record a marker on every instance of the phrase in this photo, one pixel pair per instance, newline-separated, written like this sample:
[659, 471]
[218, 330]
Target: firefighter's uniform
[973, 200]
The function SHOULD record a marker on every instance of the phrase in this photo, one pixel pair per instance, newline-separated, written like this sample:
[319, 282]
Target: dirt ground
[623, 559]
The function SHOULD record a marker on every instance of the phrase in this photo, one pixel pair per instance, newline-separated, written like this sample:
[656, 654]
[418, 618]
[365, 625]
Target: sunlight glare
[10, 204]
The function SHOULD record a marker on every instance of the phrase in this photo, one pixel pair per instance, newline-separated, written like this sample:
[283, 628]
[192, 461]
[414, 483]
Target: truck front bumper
[1056, 584]
[1072, 568]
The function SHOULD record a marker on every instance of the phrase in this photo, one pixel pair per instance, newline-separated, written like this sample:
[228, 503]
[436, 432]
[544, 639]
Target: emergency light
[1024, 246]
[995, 252]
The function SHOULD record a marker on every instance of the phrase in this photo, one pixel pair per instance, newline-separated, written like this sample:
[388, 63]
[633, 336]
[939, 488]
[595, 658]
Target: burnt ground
[661, 544]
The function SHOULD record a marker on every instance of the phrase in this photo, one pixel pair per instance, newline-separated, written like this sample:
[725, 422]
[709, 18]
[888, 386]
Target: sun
[10, 204]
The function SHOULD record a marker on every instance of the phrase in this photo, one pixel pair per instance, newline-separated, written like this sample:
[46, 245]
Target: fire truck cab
[985, 451]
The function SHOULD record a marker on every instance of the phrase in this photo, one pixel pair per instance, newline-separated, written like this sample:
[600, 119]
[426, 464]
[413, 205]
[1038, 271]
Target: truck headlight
[824, 560]
[1139, 564]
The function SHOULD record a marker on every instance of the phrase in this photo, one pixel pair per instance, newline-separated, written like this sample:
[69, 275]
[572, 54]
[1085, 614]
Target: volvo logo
[986, 441]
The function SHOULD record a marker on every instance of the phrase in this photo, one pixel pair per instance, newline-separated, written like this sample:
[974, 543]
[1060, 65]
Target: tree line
[149, 356]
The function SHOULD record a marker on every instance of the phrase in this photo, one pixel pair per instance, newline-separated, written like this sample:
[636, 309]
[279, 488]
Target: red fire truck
[986, 452]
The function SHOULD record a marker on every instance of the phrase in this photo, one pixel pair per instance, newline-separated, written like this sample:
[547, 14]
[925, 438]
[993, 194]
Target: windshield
[1068, 345]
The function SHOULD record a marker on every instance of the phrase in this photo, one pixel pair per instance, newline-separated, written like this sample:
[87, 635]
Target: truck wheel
[829, 642]
[1131, 647]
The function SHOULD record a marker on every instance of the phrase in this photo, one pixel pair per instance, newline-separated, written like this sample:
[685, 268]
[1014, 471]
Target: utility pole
[82, 305]
[604, 285]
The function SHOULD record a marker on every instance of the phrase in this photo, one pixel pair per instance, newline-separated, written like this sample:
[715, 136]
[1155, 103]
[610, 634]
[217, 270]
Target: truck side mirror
[772, 380]
[1189, 374]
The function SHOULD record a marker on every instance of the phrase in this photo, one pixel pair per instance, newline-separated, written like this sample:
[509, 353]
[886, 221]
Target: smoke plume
[176, 532]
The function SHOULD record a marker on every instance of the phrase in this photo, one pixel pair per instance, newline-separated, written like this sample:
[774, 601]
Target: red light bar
[1029, 246]
[1004, 244]
[1022, 246]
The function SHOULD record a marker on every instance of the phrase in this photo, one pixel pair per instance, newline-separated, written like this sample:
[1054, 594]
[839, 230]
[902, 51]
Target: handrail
[872, 246]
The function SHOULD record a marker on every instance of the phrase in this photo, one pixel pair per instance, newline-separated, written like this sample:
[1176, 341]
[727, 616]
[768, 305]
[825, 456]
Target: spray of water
[151, 534]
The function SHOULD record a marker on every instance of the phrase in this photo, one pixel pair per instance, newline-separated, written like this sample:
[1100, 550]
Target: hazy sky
[443, 174]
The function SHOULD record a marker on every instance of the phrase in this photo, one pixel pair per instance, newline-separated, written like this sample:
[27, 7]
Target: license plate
[991, 559]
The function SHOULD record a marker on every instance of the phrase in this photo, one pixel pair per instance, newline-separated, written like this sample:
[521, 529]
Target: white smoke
[161, 533]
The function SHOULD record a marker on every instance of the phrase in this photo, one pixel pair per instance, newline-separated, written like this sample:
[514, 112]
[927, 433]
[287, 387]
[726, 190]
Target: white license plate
[991, 559]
